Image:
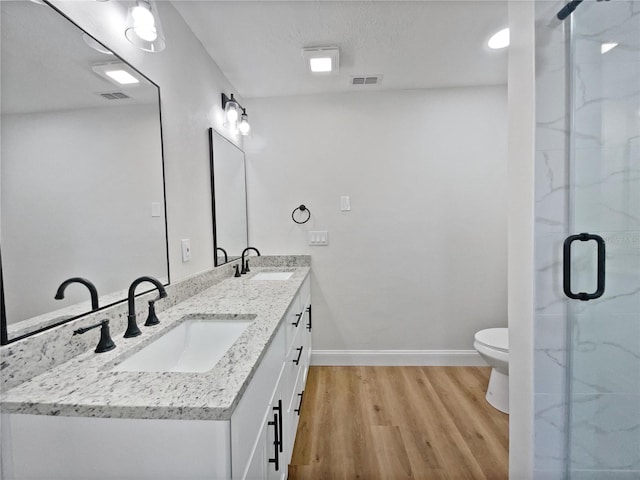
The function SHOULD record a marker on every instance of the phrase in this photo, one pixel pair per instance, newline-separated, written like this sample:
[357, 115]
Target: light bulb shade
[243, 126]
[231, 112]
[143, 27]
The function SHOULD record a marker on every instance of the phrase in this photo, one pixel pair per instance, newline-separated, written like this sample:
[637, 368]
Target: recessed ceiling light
[122, 77]
[118, 73]
[499, 39]
[605, 47]
[322, 59]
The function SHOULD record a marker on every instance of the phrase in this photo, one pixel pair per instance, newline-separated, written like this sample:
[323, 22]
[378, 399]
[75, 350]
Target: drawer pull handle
[309, 312]
[297, 360]
[297, 410]
[276, 442]
[299, 316]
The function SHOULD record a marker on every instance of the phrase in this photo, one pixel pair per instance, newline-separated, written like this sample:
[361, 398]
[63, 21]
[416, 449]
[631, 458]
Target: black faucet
[245, 266]
[132, 327]
[83, 281]
[105, 344]
[226, 257]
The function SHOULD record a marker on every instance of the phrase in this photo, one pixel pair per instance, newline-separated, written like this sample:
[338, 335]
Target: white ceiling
[46, 65]
[414, 44]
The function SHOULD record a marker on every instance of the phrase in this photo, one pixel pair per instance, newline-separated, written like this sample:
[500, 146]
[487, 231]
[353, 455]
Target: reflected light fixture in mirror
[143, 27]
[232, 117]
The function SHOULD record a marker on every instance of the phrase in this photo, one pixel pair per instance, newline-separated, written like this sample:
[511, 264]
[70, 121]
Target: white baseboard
[442, 358]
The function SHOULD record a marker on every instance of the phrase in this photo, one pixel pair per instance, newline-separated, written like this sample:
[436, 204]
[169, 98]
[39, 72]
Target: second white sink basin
[272, 276]
[193, 345]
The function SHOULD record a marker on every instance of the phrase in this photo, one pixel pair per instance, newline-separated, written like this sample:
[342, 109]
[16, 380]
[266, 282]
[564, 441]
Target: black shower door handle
[566, 266]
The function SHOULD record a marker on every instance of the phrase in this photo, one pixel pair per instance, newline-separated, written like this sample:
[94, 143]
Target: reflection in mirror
[82, 185]
[228, 198]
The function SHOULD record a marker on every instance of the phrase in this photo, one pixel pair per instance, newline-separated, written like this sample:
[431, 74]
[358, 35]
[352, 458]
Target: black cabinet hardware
[297, 410]
[298, 316]
[276, 442]
[297, 360]
[309, 312]
[566, 266]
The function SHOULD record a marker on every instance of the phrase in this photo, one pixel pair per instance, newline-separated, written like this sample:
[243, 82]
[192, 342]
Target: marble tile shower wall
[551, 214]
[605, 199]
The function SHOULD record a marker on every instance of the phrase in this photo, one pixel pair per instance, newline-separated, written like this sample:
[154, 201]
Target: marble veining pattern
[83, 386]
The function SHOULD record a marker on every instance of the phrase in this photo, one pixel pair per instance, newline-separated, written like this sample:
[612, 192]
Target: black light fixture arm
[226, 100]
[569, 8]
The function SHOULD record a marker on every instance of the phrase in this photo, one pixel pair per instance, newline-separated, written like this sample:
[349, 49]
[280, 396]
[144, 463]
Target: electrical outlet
[186, 250]
[318, 238]
[345, 203]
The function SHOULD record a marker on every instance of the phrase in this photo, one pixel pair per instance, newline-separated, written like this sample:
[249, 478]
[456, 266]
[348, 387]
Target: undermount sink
[193, 345]
[272, 276]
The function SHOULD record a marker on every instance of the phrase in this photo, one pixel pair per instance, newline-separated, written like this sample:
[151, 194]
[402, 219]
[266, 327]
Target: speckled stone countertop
[85, 386]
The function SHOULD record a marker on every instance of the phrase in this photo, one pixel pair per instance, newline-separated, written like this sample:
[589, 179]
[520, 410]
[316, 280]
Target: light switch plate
[345, 203]
[318, 238]
[186, 250]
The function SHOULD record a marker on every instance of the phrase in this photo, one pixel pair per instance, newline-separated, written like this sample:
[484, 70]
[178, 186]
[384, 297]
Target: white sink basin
[194, 345]
[272, 276]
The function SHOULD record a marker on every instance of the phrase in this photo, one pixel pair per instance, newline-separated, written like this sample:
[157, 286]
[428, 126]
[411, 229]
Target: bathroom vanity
[94, 417]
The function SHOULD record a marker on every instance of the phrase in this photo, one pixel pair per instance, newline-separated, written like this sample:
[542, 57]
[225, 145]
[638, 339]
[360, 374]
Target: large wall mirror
[82, 180]
[228, 198]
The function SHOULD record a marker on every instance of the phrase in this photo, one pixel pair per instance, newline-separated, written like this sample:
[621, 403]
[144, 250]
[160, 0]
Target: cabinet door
[257, 467]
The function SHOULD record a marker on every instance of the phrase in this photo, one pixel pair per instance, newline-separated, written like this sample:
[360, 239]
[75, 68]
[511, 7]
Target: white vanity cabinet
[269, 454]
[258, 437]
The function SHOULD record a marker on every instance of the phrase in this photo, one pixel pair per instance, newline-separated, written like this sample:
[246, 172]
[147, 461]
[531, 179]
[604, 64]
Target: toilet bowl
[493, 346]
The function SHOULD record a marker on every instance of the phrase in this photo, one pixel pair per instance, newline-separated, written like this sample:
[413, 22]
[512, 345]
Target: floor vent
[114, 96]
[366, 80]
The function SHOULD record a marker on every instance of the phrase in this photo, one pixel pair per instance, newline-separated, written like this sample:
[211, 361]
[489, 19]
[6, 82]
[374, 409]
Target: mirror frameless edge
[229, 198]
[103, 217]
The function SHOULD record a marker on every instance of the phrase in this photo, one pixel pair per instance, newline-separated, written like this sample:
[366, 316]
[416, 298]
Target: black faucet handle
[106, 343]
[246, 269]
[152, 319]
[237, 274]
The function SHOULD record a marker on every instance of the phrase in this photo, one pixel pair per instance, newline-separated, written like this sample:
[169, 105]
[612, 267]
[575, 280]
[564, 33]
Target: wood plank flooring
[393, 423]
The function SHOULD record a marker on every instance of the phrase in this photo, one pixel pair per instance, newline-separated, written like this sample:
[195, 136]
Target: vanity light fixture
[322, 59]
[117, 73]
[143, 27]
[499, 39]
[232, 114]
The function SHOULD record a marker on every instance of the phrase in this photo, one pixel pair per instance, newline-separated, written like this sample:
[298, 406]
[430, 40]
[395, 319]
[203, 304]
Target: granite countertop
[85, 386]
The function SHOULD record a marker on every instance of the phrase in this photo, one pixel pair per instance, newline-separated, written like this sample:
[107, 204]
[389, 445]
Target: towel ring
[302, 208]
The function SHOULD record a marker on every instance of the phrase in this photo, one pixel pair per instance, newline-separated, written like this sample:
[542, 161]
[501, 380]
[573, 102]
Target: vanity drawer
[293, 323]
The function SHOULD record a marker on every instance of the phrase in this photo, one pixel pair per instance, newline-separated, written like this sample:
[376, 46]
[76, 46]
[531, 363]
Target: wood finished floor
[399, 422]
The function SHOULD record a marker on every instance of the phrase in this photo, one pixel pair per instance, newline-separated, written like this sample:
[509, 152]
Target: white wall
[420, 261]
[190, 86]
[521, 223]
[60, 163]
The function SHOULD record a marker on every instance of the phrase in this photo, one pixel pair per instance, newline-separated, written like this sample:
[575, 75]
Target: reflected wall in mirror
[228, 198]
[82, 183]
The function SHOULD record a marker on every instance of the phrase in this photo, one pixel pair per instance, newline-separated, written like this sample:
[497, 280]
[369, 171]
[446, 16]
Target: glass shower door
[604, 350]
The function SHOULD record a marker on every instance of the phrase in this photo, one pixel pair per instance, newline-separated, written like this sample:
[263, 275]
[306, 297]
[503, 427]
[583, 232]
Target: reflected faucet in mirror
[92, 290]
[245, 266]
[132, 327]
[226, 257]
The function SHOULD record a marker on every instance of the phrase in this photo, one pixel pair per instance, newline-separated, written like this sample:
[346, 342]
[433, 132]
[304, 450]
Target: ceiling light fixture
[499, 40]
[143, 27]
[232, 109]
[118, 73]
[322, 59]
[606, 47]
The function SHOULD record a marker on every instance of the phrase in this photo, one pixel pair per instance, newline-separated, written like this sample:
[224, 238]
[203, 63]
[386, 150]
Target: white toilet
[493, 346]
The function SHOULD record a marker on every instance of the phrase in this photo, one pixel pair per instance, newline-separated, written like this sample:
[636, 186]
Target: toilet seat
[494, 338]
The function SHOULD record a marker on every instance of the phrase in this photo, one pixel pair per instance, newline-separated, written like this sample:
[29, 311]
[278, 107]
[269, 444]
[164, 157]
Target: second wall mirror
[228, 198]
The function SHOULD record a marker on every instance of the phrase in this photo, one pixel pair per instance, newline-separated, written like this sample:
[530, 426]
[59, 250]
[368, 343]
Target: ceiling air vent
[114, 96]
[366, 80]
